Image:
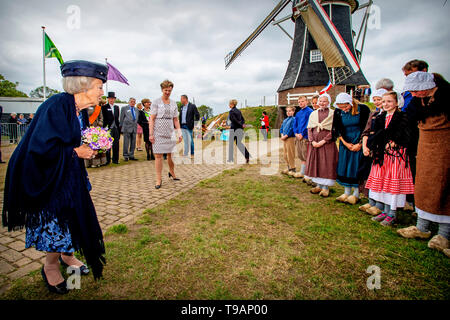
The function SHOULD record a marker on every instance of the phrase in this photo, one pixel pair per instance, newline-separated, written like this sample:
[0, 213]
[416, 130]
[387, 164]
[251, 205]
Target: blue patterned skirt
[49, 237]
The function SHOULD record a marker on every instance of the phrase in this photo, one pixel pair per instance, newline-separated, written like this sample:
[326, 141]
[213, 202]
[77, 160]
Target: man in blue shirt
[301, 133]
[288, 138]
[188, 115]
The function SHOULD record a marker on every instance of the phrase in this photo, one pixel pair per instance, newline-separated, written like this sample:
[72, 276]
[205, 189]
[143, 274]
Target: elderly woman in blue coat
[46, 185]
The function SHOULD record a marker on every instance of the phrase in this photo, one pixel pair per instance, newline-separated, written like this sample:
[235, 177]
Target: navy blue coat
[46, 179]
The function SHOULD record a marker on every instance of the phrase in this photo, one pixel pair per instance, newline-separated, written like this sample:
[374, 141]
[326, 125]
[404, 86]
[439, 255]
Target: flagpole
[43, 57]
[106, 62]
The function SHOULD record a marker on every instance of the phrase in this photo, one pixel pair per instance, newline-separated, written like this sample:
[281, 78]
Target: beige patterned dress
[164, 130]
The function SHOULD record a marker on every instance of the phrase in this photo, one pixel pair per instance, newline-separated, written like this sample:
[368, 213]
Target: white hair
[385, 83]
[77, 84]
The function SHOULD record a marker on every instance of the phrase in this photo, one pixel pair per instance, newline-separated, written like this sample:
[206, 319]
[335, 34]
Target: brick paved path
[120, 195]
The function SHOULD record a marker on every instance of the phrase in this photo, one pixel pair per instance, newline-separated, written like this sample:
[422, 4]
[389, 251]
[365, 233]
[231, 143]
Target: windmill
[323, 50]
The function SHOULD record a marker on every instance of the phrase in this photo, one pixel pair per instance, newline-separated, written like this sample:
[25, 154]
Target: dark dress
[47, 187]
[350, 128]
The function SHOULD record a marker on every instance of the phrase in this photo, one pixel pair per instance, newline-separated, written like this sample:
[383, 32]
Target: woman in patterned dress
[163, 122]
[47, 186]
[390, 178]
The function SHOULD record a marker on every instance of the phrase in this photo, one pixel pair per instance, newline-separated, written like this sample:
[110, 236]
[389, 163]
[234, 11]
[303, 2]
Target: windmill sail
[339, 59]
[235, 53]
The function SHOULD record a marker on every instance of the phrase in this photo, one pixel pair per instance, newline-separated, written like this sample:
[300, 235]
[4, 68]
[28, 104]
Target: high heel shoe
[84, 270]
[171, 176]
[158, 185]
[60, 288]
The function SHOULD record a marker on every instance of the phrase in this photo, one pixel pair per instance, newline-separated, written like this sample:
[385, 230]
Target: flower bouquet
[97, 138]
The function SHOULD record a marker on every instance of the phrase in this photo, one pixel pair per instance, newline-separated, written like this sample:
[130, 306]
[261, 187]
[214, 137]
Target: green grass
[241, 235]
[117, 229]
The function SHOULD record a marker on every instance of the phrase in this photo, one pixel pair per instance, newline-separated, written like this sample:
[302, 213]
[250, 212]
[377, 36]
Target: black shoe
[84, 270]
[116, 162]
[1, 161]
[171, 176]
[126, 159]
[134, 159]
[60, 288]
[158, 185]
[148, 157]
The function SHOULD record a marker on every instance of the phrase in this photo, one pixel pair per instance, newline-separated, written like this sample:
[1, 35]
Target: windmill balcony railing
[294, 96]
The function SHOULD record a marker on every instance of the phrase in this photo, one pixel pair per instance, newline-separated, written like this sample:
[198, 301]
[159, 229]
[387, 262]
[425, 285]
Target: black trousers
[236, 137]
[115, 147]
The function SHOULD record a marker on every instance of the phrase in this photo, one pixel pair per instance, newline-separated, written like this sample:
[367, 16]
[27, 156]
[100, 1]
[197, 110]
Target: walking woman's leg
[171, 165]
[158, 168]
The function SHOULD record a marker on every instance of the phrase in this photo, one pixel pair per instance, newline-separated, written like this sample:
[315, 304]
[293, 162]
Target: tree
[205, 111]
[39, 92]
[8, 88]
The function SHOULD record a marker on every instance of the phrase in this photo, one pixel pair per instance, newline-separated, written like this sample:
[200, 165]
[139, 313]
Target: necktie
[132, 113]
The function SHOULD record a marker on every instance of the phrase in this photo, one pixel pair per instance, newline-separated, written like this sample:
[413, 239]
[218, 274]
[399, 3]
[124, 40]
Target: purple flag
[114, 74]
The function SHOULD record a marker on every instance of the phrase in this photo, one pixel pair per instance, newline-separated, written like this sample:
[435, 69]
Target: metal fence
[12, 133]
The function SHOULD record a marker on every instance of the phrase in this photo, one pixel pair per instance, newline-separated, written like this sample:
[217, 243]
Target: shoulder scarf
[326, 124]
[397, 131]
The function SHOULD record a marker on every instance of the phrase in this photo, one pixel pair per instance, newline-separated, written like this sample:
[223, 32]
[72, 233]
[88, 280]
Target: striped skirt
[392, 177]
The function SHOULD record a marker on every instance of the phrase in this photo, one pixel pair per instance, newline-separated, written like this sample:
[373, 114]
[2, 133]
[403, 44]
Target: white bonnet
[378, 93]
[327, 96]
[343, 97]
[418, 81]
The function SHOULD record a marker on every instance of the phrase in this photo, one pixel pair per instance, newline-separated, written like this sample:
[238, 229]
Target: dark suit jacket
[236, 118]
[191, 116]
[109, 117]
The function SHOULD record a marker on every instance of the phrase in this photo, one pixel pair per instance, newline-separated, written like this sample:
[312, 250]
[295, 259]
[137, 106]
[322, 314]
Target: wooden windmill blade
[235, 53]
[338, 57]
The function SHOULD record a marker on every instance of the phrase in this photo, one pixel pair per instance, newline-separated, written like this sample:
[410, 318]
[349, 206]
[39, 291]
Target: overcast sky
[186, 42]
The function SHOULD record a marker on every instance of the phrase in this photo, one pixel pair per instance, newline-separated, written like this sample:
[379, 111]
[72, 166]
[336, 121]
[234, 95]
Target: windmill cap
[82, 68]
[418, 81]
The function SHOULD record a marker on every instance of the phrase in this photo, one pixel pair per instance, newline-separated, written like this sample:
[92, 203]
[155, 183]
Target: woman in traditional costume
[390, 178]
[366, 161]
[350, 118]
[47, 186]
[432, 198]
[322, 155]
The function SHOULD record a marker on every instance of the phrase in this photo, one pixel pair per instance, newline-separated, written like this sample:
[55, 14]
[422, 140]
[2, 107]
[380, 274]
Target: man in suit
[111, 114]
[188, 115]
[236, 132]
[128, 123]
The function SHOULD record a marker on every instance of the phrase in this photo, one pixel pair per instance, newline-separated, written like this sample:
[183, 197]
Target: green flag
[51, 51]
